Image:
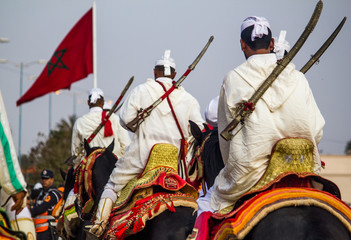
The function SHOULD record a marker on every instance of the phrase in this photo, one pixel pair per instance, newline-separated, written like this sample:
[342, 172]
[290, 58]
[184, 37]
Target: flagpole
[94, 46]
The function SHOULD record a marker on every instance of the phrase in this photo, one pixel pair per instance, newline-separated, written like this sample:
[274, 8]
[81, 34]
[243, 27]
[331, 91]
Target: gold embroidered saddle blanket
[158, 188]
[291, 165]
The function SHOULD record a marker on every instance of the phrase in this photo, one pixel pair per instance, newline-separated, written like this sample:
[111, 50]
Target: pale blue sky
[132, 34]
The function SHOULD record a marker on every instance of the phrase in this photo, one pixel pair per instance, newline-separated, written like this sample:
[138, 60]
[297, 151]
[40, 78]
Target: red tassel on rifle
[323, 164]
[108, 126]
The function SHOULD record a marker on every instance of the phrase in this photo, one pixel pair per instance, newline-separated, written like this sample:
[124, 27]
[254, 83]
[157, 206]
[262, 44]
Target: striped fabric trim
[135, 219]
[261, 205]
[9, 161]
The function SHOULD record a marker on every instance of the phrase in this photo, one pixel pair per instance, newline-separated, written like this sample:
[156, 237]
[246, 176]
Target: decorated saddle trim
[161, 170]
[133, 221]
[8, 234]
[255, 209]
[83, 174]
[158, 177]
[290, 156]
[196, 165]
[83, 179]
[5, 228]
[70, 212]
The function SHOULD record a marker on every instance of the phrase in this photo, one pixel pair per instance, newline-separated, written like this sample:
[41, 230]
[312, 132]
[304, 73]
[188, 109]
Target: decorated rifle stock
[247, 108]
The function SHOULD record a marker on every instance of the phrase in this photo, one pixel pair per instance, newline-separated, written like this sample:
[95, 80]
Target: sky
[132, 34]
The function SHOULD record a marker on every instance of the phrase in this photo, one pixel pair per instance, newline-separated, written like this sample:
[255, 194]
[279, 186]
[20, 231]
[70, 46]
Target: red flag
[71, 61]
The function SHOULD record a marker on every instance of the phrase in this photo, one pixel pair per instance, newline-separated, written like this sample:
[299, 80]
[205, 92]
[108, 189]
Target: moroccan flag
[71, 61]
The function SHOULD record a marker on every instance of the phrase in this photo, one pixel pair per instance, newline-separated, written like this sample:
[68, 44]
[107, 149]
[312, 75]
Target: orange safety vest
[43, 221]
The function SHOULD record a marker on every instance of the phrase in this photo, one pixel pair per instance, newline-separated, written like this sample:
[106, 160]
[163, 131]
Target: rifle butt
[227, 132]
[133, 125]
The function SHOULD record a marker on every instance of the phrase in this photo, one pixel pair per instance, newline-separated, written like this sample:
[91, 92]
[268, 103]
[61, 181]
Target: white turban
[95, 94]
[211, 112]
[260, 24]
[167, 62]
[281, 45]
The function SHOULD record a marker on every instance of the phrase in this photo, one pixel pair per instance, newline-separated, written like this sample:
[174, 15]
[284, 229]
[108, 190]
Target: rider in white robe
[158, 127]
[85, 126]
[287, 109]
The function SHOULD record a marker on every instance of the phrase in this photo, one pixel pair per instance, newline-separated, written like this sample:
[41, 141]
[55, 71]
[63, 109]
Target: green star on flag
[59, 63]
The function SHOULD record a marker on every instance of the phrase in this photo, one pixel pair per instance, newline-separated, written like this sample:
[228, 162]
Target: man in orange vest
[43, 207]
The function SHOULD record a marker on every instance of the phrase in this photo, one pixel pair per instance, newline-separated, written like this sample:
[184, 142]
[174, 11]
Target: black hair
[101, 97]
[162, 68]
[258, 43]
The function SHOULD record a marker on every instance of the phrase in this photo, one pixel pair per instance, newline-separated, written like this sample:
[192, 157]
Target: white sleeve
[123, 136]
[75, 138]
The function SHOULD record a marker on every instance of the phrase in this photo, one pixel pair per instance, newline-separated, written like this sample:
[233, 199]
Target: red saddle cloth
[241, 221]
[158, 188]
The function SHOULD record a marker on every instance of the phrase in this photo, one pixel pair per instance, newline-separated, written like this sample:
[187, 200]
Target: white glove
[102, 215]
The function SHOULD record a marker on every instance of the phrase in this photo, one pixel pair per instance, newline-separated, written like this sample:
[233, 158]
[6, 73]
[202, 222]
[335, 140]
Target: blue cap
[46, 173]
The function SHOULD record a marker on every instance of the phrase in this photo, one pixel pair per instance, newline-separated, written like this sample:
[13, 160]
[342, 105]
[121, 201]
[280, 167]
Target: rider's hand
[102, 215]
[20, 201]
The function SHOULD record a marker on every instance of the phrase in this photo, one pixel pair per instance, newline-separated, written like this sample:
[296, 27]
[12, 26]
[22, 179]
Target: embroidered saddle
[156, 189]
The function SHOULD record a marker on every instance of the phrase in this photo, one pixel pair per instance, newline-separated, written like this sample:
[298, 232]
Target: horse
[278, 209]
[157, 204]
[96, 169]
[205, 148]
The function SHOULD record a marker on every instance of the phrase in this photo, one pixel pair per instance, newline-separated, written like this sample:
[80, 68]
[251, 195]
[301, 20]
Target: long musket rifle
[247, 108]
[324, 47]
[78, 151]
[142, 114]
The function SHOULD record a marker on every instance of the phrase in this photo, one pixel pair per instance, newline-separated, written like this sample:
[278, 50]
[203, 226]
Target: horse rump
[304, 222]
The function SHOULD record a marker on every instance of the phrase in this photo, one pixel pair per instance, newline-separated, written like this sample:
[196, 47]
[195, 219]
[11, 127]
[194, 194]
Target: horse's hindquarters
[253, 213]
[291, 223]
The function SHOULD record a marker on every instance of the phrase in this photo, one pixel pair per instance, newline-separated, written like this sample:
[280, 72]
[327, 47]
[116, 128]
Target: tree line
[51, 152]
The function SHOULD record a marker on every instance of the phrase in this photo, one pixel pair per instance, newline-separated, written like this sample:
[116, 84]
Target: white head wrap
[95, 94]
[281, 45]
[167, 62]
[211, 112]
[260, 24]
